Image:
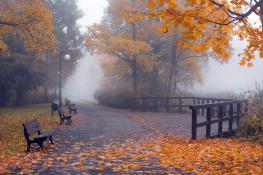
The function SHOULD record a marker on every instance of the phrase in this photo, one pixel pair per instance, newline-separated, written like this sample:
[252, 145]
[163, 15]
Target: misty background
[227, 77]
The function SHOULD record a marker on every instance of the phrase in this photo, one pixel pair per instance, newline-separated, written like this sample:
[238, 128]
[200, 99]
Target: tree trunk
[173, 71]
[155, 81]
[135, 77]
[46, 85]
[45, 94]
[55, 93]
[134, 62]
[175, 86]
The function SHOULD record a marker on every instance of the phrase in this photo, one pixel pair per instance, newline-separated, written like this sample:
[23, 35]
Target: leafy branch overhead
[102, 41]
[211, 24]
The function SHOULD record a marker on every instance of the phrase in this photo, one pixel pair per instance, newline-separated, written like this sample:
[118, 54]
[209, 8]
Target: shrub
[16, 79]
[117, 98]
[251, 127]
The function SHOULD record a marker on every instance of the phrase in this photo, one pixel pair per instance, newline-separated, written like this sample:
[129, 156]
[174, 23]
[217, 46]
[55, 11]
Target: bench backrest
[60, 113]
[32, 127]
[72, 106]
[54, 106]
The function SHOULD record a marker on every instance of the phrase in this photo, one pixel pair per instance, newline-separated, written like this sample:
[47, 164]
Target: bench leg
[51, 140]
[28, 146]
[68, 121]
[61, 121]
[40, 143]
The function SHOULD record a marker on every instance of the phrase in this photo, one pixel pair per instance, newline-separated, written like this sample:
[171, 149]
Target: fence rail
[217, 113]
[170, 104]
[205, 112]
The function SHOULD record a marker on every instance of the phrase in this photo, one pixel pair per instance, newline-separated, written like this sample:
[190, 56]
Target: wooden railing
[217, 113]
[170, 104]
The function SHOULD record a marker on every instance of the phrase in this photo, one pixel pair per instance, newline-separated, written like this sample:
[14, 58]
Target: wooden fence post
[156, 104]
[208, 120]
[203, 110]
[231, 113]
[143, 104]
[198, 102]
[180, 104]
[167, 105]
[132, 104]
[194, 123]
[220, 116]
[52, 109]
[238, 113]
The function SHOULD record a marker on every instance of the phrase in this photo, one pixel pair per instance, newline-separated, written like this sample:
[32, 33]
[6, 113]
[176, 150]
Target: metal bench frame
[32, 127]
[72, 108]
[64, 117]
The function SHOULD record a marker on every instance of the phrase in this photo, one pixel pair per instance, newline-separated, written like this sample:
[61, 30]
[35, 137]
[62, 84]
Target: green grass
[11, 130]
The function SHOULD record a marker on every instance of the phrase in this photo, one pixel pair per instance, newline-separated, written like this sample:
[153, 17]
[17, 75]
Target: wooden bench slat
[47, 134]
[32, 126]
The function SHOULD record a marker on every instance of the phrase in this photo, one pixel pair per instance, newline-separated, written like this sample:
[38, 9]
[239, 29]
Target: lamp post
[66, 57]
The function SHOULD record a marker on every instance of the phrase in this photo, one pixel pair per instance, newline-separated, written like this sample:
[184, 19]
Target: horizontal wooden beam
[217, 104]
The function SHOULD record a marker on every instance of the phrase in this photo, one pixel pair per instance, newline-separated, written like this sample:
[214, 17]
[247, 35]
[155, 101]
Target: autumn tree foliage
[31, 21]
[210, 24]
[155, 63]
[119, 38]
[30, 31]
[179, 66]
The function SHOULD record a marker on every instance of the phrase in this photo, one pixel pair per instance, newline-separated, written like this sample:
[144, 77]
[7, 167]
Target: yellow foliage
[202, 21]
[32, 20]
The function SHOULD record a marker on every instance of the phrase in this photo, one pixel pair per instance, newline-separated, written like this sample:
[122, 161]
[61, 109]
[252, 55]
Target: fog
[217, 77]
[83, 83]
[231, 76]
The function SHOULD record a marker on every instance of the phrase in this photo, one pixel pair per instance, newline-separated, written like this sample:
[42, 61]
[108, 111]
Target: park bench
[54, 107]
[72, 108]
[33, 128]
[64, 117]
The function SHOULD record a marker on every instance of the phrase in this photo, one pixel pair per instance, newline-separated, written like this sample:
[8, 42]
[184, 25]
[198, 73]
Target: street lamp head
[67, 57]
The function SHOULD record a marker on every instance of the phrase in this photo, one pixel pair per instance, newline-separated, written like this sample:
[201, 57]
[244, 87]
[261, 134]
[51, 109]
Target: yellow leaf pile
[151, 154]
[219, 156]
[145, 153]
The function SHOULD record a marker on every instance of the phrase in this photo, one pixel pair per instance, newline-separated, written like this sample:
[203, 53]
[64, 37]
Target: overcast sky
[83, 84]
[231, 76]
[218, 78]
[93, 10]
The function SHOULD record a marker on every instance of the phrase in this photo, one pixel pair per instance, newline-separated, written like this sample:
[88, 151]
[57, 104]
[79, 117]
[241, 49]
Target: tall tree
[162, 62]
[118, 37]
[66, 14]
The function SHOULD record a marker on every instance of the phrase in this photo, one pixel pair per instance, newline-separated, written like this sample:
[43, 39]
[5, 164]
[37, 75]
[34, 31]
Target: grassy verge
[11, 131]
